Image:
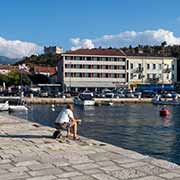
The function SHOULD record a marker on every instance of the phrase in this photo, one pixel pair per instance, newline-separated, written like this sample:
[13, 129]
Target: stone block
[52, 171]
[42, 178]
[103, 176]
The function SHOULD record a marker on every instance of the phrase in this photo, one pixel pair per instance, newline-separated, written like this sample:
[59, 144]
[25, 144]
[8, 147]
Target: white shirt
[64, 116]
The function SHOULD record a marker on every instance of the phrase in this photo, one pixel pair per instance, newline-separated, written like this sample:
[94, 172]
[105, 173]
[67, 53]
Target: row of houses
[43, 70]
[111, 68]
[100, 68]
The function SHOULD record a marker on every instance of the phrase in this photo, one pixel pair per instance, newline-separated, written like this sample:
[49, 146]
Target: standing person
[66, 121]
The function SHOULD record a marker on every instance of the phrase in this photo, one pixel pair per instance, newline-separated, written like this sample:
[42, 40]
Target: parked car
[129, 95]
[109, 95]
[137, 94]
[148, 94]
[120, 95]
[44, 93]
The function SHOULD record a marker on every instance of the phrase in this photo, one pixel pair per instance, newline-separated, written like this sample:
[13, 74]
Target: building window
[94, 58]
[173, 67]
[86, 66]
[132, 75]
[112, 67]
[172, 76]
[95, 66]
[76, 58]
[95, 75]
[148, 76]
[68, 57]
[103, 66]
[154, 76]
[121, 75]
[160, 76]
[131, 65]
[78, 66]
[88, 58]
[160, 66]
[139, 76]
[67, 74]
[154, 66]
[139, 66]
[121, 67]
[148, 66]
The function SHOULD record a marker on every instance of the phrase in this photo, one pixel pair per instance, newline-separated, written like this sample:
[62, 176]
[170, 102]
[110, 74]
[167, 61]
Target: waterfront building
[92, 69]
[145, 69]
[111, 68]
[53, 50]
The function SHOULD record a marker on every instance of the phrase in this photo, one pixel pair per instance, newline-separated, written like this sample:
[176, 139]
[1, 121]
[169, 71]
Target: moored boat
[4, 106]
[13, 108]
[84, 99]
[158, 101]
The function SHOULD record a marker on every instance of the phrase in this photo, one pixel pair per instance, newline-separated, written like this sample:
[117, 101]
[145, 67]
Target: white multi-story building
[92, 69]
[112, 68]
[144, 69]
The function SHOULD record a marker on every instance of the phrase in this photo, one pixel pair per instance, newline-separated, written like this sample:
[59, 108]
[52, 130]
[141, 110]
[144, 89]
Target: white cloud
[84, 43]
[148, 37]
[17, 49]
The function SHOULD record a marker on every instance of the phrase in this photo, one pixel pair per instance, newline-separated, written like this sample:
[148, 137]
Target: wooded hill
[42, 60]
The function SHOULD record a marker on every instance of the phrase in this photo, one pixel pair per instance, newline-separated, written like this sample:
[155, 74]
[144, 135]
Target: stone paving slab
[28, 152]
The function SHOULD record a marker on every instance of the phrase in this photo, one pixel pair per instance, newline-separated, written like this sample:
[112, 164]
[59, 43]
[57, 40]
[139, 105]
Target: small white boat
[13, 108]
[157, 101]
[79, 101]
[84, 99]
[4, 106]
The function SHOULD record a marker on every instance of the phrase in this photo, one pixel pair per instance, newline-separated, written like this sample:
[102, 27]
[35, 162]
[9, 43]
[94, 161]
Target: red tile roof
[8, 67]
[97, 51]
[45, 69]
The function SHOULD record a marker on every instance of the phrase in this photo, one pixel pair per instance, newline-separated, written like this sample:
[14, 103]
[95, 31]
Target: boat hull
[17, 108]
[84, 102]
[166, 102]
[4, 107]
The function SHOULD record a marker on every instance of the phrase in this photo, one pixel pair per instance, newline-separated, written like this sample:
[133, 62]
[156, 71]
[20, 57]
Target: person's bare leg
[68, 132]
[75, 130]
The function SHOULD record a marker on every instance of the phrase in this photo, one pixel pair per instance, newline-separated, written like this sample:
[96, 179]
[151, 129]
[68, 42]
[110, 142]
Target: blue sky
[71, 23]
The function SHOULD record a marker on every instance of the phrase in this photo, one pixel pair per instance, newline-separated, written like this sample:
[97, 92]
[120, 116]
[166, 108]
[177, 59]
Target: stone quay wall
[28, 152]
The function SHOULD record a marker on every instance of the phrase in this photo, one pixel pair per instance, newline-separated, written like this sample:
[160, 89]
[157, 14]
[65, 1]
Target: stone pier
[28, 152]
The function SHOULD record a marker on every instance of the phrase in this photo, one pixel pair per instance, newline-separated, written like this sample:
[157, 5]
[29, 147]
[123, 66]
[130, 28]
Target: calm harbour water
[133, 126]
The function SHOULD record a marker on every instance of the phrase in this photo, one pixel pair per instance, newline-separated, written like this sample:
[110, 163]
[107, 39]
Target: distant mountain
[6, 60]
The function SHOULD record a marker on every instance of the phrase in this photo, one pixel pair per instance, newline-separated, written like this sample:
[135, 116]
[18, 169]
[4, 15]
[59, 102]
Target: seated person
[66, 121]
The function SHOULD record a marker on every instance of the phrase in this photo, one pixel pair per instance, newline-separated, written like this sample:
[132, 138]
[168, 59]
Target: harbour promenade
[40, 100]
[28, 152]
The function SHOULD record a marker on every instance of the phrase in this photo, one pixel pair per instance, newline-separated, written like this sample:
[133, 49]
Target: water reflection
[133, 126]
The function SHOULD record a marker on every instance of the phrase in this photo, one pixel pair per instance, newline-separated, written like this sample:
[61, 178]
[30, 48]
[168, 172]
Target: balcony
[167, 70]
[138, 70]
